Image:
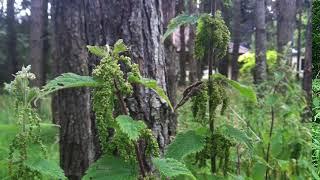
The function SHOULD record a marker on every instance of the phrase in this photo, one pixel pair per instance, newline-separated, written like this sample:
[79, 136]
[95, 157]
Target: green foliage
[67, 80]
[239, 135]
[248, 61]
[212, 35]
[21, 165]
[245, 91]
[315, 38]
[152, 84]
[171, 168]
[184, 144]
[180, 20]
[130, 127]
[110, 167]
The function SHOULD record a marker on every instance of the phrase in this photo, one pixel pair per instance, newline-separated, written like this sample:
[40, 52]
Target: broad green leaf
[98, 51]
[237, 134]
[110, 167]
[45, 167]
[184, 144]
[119, 47]
[68, 80]
[182, 19]
[245, 91]
[130, 127]
[172, 168]
[152, 84]
[258, 172]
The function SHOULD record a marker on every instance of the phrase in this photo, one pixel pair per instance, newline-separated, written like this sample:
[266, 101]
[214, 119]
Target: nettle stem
[125, 112]
[211, 60]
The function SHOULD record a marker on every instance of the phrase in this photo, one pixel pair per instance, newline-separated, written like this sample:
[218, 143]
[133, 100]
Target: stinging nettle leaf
[152, 84]
[182, 19]
[172, 168]
[98, 51]
[184, 144]
[119, 47]
[239, 135]
[130, 127]
[67, 80]
[110, 167]
[45, 167]
[245, 91]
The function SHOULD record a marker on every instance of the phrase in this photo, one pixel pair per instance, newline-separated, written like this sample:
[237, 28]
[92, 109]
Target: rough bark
[260, 73]
[285, 25]
[11, 38]
[182, 52]
[191, 43]
[307, 76]
[71, 108]
[36, 41]
[236, 38]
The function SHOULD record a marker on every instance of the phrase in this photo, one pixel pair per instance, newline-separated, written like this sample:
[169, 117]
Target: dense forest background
[261, 45]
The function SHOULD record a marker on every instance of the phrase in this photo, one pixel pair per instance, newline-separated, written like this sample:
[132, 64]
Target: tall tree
[236, 38]
[71, 108]
[36, 40]
[182, 52]
[260, 72]
[11, 38]
[307, 75]
[192, 8]
[286, 19]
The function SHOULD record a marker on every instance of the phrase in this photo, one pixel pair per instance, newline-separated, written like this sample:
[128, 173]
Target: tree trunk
[182, 52]
[307, 75]
[260, 73]
[236, 38]
[11, 39]
[191, 43]
[71, 108]
[169, 12]
[285, 26]
[36, 41]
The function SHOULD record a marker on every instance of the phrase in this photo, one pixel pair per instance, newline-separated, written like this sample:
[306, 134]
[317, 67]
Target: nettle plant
[23, 163]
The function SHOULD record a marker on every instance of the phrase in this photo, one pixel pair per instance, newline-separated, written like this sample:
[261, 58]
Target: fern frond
[109, 167]
[130, 127]
[184, 144]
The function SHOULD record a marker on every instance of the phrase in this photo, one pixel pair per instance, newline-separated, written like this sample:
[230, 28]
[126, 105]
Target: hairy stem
[136, 146]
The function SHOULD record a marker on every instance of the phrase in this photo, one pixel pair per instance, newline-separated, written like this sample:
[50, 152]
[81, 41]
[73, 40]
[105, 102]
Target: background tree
[236, 34]
[11, 38]
[71, 108]
[260, 73]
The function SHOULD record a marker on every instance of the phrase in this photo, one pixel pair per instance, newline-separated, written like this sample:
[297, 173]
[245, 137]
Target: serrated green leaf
[237, 134]
[130, 127]
[245, 91]
[110, 167]
[184, 144]
[98, 51]
[152, 84]
[45, 167]
[119, 47]
[67, 80]
[182, 19]
[172, 168]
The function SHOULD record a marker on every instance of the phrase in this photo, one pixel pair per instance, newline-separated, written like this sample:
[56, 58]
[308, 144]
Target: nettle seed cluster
[29, 125]
[215, 141]
[113, 73]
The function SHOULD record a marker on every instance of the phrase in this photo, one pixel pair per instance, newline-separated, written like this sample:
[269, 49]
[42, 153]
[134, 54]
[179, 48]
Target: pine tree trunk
[260, 73]
[285, 24]
[11, 39]
[236, 38]
[191, 43]
[307, 76]
[36, 41]
[71, 108]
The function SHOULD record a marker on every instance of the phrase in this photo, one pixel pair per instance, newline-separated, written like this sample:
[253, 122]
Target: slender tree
[190, 56]
[182, 52]
[285, 24]
[307, 76]
[260, 72]
[37, 41]
[11, 38]
[71, 108]
[236, 38]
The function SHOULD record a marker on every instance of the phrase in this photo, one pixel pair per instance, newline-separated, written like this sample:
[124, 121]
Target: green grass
[8, 130]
